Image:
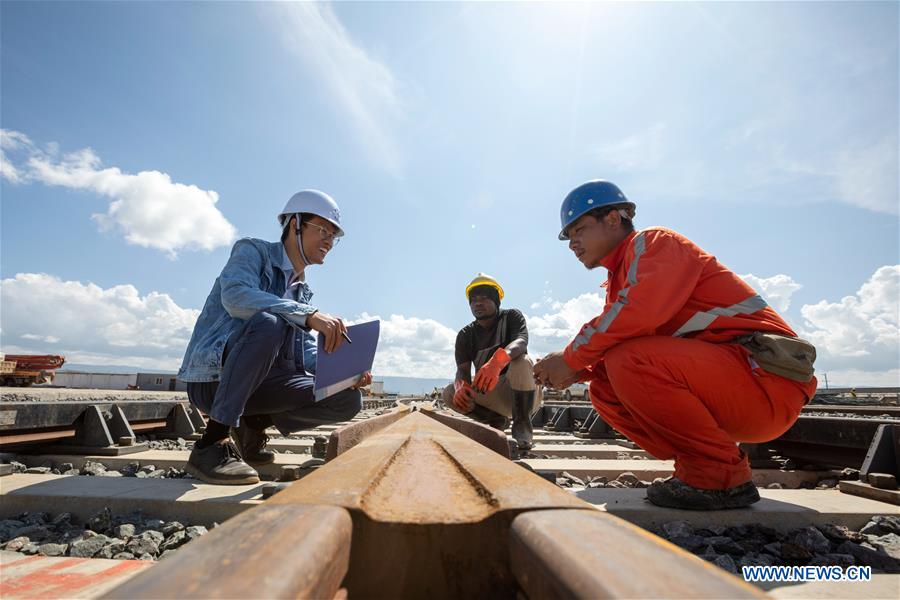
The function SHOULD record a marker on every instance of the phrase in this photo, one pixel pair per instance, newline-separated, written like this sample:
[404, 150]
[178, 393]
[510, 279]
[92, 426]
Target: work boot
[220, 463]
[522, 428]
[674, 493]
[251, 444]
[488, 417]
[499, 422]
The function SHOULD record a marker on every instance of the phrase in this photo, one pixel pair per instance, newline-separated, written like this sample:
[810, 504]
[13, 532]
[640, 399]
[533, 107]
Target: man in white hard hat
[251, 360]
[496, 343]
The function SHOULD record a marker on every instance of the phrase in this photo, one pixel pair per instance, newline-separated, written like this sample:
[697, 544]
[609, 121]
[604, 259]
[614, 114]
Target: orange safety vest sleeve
[662, 272]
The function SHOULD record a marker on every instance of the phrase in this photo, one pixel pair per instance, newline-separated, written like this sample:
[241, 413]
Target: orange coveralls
[661, 367]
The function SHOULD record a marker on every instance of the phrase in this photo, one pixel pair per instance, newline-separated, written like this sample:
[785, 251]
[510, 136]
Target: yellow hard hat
[484, 279]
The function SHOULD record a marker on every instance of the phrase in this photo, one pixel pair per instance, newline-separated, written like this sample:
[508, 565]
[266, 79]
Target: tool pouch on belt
[791, 358]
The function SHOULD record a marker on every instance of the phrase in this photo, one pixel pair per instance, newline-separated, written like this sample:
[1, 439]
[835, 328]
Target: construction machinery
[22, 370]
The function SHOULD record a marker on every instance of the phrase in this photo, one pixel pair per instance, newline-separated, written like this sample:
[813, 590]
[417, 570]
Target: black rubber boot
[220, 463]
[674, 493]
[251, 444]
[499, 422]
[522, 428]
[482, 414]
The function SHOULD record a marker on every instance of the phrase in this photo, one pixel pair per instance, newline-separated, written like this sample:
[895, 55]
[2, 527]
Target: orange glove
[489, 374]
[464, 397]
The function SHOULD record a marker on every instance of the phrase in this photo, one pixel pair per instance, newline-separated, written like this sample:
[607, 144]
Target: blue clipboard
[338, 370]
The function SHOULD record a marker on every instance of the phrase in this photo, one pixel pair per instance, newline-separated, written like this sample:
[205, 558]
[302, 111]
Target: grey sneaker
[251, 443]
[220, 463]
[674, 493]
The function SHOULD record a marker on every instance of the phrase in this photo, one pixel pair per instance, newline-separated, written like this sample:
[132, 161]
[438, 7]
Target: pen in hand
[346, 337]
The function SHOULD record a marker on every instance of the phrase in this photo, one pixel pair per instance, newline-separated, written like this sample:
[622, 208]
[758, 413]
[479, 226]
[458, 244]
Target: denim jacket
[250, 282]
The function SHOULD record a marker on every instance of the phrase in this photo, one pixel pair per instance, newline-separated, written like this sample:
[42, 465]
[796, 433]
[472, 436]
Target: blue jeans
[261, 377]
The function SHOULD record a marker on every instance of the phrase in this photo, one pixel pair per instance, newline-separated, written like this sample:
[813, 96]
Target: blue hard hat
[586, 197]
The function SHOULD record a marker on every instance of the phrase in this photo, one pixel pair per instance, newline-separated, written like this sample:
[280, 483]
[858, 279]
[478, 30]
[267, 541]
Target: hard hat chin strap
[300, 242]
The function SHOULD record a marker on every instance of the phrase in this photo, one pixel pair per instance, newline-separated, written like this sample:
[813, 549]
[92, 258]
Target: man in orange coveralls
[668, 358]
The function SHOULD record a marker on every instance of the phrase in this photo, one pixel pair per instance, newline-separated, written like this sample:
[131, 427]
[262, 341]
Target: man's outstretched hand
[554, 371]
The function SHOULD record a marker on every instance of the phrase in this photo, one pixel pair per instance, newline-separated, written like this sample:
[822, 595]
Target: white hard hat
[312, 202]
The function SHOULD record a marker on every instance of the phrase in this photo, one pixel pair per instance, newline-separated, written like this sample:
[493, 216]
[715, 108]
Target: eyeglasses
[325, 234]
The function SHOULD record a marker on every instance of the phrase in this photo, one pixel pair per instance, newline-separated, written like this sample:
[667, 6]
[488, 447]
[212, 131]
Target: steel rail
[15, 416]
[832, 441]
[859, 391]
[57, 435]
[425, 511]
[854, 409]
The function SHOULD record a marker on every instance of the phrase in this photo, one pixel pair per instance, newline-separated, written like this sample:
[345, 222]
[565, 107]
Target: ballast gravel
[104, 535]
[876, 545]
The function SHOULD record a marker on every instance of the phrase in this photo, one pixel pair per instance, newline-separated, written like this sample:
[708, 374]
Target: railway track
[890, 411]
[413, 503]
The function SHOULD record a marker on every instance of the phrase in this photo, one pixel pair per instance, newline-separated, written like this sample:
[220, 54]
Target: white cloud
[89, 324]
[859, 378]
[362, 88]
[149, 208]
[861, 331]
[868, 177]
[554, 330]
[48, 339]
[755, 162]
[14, 140]
[413, 347]
[8, 171]
[857, 338]
[546, 300]
[776, 290]
[860, 172]
[11, 141]
[641, 151]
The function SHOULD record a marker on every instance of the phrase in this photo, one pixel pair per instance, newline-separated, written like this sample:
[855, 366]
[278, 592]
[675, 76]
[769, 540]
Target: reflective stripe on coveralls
[614, 310]
[702, 320]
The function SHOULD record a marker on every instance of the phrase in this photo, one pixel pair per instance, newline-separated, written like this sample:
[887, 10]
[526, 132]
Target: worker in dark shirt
[496, 343]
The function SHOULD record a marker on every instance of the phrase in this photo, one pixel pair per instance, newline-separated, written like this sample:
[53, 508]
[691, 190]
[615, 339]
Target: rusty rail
[558, 554]
[349, 436]
[285, 551]
[434, 514]
[58, 435]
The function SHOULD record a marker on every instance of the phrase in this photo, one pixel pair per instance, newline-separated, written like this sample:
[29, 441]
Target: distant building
[95, 381]
[162, 382]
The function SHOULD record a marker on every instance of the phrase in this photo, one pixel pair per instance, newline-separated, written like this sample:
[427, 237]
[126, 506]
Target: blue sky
[141, 138]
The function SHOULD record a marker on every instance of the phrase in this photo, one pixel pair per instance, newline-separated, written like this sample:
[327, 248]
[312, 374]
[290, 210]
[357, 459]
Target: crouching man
[251, 360]
[496, 342]
[684, 358]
